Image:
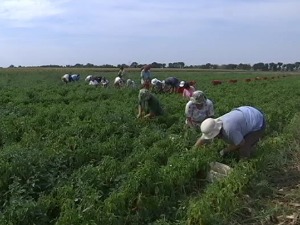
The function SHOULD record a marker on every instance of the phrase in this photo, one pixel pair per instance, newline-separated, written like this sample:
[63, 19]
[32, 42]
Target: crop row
[77, 155]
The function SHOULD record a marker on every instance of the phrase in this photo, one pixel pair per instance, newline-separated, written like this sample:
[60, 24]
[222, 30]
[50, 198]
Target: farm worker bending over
[75, 77]
[171, 84]
[65, 78]
[104, 82]
[130, 83]
[192, 83]
[70, 78]
[149, 105]
[146, 76]
[89, 78]
[188, 90]
[242, 128]
[94, 82]
[181, 88]
[118, 82]
[157, 85]
[198, 109]
[121, 74]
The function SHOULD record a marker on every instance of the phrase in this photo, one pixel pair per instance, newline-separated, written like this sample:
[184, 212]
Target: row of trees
[256, 67]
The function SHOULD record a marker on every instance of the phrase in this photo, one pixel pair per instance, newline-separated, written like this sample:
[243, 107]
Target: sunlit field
[76, 154]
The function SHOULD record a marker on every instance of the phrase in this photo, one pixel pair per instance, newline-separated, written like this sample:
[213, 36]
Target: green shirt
[151, 106]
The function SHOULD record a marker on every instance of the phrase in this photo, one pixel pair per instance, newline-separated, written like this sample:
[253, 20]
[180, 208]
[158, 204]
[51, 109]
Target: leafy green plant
[75, 154]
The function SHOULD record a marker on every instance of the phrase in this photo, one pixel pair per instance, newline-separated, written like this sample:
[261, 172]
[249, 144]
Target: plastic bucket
[218, 171]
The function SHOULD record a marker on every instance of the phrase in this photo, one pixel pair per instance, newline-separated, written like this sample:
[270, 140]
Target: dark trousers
[251, 140]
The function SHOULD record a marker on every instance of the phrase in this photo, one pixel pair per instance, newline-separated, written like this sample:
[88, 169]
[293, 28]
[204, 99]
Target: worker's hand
[148, 115]
[223, 152]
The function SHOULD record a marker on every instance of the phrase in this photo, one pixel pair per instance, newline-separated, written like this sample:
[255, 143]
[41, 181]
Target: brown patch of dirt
[283, 198]
[286, 196]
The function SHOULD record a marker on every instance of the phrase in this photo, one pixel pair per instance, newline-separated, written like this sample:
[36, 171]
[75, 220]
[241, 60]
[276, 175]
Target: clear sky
[66, 32]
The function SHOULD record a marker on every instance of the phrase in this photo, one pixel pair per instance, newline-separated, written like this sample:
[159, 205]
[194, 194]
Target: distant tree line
[178, 65]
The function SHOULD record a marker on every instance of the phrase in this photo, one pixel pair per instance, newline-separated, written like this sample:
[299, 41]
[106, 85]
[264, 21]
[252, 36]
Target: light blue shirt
[240, 122]
[146, 75]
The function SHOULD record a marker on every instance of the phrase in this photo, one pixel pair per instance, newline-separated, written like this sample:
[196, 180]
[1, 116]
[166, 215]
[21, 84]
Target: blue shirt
[146, 75]
[172, 81]
[240, 122]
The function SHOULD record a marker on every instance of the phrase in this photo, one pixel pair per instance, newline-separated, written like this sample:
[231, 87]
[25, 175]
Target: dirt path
[275, 200]
[287, 193]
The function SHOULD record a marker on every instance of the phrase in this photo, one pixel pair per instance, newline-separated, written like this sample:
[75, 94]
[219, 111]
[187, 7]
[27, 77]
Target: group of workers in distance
[241, 128]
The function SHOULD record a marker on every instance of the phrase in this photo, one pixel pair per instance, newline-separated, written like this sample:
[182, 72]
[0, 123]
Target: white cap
[210, 128]
[182, 83]
[154, 81]
[117, 79]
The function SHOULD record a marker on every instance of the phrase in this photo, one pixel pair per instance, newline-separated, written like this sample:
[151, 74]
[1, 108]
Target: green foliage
[75, 154]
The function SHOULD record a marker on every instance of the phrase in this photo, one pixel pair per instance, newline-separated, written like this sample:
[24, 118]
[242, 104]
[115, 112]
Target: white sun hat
[182, 83]
[117, 80]
[210, 128]
[88, 78]
[154, 81]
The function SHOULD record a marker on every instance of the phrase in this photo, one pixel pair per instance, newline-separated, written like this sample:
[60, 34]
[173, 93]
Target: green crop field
[76, 154]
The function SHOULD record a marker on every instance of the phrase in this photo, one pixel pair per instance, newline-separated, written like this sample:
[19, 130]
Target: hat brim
[181, 85]
[214, 132]
[154, 81]
[195, 101]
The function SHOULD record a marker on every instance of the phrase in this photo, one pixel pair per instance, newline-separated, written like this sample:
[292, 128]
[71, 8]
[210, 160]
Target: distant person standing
[121, 73]
[146, 76]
